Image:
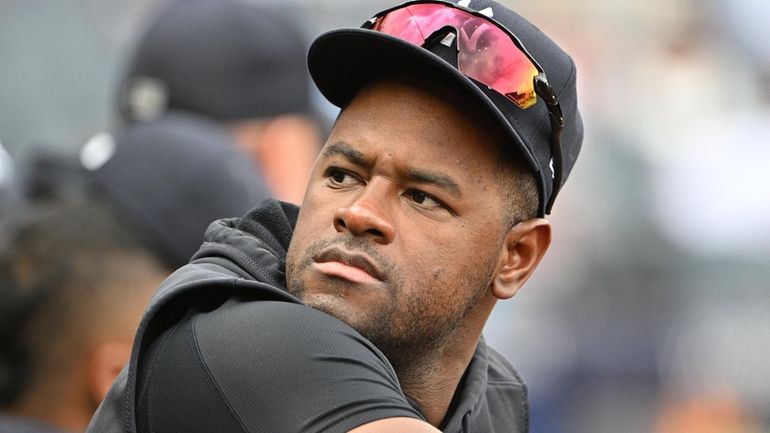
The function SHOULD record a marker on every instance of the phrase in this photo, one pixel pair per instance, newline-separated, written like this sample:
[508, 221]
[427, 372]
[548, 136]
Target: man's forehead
[394, 116]
[438, 104]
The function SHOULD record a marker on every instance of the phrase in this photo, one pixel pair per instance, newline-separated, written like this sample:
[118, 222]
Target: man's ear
[104, 364]
[523, 248]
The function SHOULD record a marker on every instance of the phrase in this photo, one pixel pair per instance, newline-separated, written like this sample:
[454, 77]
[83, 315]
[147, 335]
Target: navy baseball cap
[220, 58]
[343, 61]
[172, 178]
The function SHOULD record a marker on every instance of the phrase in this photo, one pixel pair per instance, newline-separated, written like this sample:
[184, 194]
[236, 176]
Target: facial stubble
[412, 329]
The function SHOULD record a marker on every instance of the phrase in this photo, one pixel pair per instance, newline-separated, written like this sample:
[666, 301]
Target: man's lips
[356, 268]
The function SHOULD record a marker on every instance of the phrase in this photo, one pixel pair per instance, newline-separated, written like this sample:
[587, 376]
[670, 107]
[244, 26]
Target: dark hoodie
[223, 347]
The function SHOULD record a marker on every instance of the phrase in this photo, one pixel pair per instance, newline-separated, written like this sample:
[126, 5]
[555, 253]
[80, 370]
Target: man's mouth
[354, 267]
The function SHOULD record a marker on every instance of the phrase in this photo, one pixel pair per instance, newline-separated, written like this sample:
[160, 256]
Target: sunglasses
[487, 53]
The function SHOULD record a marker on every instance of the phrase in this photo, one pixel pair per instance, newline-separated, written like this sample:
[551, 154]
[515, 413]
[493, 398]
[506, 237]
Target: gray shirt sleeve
[264, 367]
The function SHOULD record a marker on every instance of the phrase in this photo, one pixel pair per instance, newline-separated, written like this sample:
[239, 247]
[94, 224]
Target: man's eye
[423, 199]
[340, 178]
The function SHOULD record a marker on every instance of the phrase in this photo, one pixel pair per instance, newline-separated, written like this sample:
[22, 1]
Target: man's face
[401, 228]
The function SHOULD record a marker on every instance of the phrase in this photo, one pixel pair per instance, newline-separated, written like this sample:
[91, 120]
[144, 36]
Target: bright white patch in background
[747, 20]
[712, 195]
[487, 12]
[464, 3]
[6, 166]
[97, 151]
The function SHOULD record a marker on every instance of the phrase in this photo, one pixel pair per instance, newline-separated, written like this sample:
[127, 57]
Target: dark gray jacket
[243, 259]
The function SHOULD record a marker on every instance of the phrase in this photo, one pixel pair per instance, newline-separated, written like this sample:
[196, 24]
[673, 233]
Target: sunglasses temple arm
[557, 125]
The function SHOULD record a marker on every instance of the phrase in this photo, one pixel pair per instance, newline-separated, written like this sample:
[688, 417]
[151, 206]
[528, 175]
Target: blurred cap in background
[173, 177]
[226, 59]
[241, 65]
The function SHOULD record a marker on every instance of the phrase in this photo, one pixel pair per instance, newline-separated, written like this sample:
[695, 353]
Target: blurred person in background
[170, 179]
[239, 65]
[205, 85]
[65, 264]
[73, 286]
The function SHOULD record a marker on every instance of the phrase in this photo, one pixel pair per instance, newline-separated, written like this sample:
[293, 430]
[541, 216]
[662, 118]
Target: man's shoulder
[243, 329]
[236, 264]
[264, 366]
[242, 341]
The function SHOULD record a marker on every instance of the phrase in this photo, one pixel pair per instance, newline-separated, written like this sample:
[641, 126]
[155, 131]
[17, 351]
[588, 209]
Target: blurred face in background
[284, 149]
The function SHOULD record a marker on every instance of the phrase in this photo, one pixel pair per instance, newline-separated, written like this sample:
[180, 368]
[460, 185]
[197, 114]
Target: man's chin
[332, 305]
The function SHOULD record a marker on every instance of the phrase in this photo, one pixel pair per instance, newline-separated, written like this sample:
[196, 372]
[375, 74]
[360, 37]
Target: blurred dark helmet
[173, 177]
[226, 59]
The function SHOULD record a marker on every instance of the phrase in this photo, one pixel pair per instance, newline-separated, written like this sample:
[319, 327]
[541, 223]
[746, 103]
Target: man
[425, 207]
[220, 60]
[73, 286]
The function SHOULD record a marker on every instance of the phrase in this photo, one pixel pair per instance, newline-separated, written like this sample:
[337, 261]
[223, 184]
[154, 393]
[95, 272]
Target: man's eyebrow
[415, 174]
[344, 149]
[441, 180]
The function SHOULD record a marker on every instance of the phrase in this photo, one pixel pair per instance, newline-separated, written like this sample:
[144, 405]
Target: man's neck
[434, 389]
[432, 380]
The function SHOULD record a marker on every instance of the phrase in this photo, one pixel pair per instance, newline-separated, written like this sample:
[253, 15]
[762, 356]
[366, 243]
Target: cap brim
[342, 61]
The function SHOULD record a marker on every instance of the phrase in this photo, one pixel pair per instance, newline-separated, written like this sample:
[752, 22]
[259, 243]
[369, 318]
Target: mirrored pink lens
[487, 54]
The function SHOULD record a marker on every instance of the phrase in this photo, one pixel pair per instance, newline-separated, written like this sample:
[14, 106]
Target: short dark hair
[519, 190]
[62, 268]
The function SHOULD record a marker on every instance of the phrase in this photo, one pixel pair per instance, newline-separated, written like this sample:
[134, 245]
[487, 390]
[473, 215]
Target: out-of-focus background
[651, 313]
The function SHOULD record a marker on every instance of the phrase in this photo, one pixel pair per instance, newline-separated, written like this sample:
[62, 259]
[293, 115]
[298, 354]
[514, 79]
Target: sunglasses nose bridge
[443, 43]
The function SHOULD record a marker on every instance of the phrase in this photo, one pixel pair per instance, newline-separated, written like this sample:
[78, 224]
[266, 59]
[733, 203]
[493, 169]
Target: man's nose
[366, 217]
